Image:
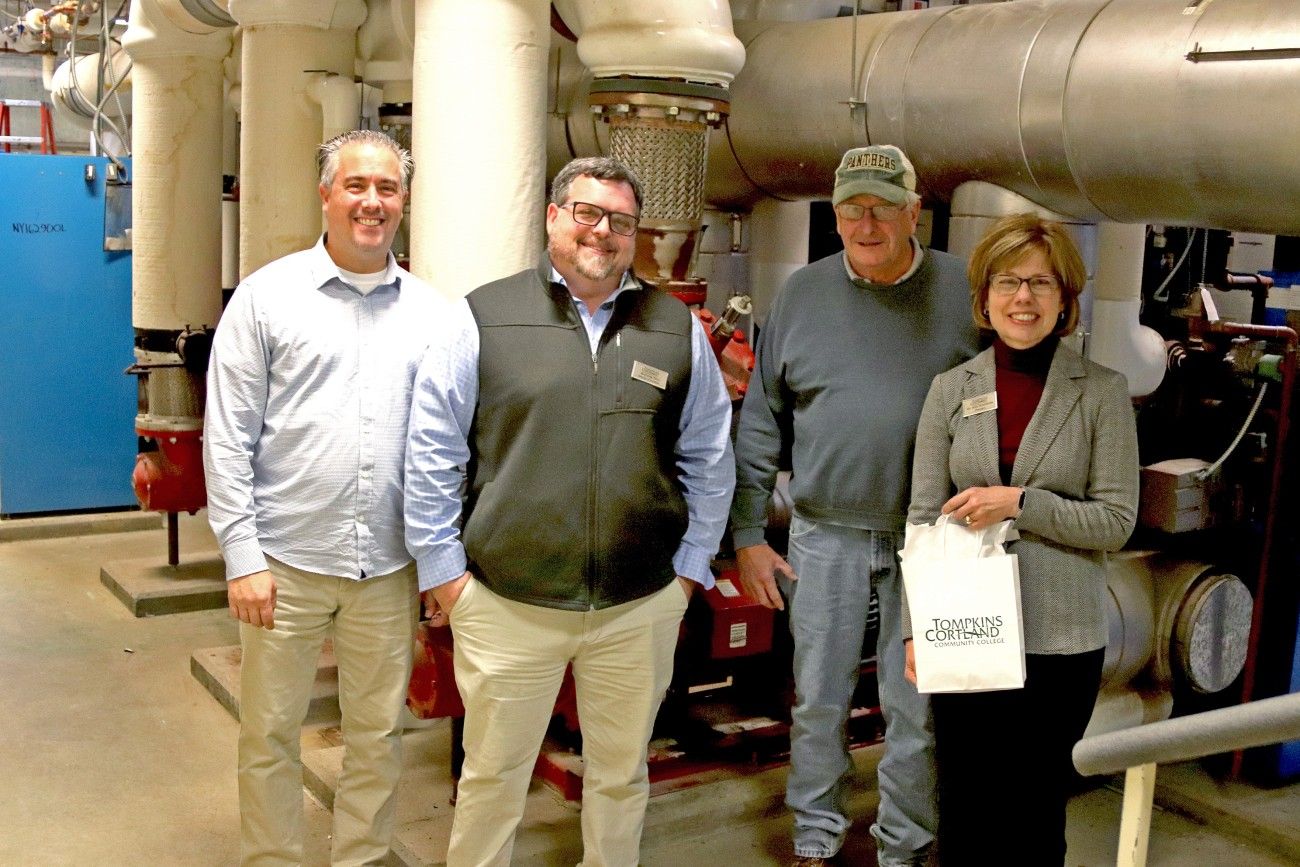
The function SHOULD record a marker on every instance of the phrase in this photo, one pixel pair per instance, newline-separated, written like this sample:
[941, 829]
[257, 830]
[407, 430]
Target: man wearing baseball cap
[844, 361]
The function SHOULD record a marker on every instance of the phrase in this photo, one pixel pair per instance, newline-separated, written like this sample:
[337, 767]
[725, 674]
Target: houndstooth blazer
[1078, 464]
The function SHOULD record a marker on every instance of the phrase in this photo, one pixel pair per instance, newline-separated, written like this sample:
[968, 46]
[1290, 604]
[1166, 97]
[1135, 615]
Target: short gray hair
[327, 155]
[600, 168]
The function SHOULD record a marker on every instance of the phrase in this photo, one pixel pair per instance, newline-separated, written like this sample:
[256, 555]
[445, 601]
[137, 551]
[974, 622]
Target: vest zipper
[618, 371]
[593, 473]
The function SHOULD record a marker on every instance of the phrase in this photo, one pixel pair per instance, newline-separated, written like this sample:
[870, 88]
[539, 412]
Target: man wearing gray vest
[590, 423]
[844, 362]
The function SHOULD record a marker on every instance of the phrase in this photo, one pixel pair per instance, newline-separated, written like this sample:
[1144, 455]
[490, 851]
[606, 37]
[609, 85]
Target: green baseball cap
[878, 170]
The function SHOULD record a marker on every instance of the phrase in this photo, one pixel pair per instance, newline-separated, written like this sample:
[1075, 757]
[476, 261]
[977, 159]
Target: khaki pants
[510, 659]
[373, 623]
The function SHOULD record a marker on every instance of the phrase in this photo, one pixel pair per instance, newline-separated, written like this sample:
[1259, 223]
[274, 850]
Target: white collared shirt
[309, 388]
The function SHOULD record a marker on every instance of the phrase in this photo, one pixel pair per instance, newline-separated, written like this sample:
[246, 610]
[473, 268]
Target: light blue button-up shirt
[309, 388]
[442, 411]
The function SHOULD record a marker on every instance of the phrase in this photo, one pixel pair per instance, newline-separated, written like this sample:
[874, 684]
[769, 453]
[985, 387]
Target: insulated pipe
[176, 171]
[385, 47]
[285, 43]
[1118, 341]
[778, 247]
[339, 99]
[72, 91]
[672, 39]
[1130, 111]
[1249, 725]
[479, 67]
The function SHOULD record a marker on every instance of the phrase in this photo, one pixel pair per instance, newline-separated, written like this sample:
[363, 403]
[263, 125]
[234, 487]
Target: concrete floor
[114, 754]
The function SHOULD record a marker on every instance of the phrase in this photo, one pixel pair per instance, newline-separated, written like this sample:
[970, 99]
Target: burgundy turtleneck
[1021, 375]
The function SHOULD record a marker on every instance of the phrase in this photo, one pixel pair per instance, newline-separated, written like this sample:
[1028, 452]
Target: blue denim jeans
[828, 612]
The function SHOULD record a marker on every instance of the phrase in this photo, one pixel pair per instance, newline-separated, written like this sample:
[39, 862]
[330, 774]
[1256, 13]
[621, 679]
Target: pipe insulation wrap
[72, 90]
[279, 206]
[319, 14]
[1119, 341]
[196, 16]
[339, 99]
[176, 201]
[1255, 724]
[176, 172]
[1090, 108]
[480, 68]
[656, 38]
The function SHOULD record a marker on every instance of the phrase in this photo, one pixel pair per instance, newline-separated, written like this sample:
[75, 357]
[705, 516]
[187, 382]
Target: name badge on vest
[976, 405]
[650, 375]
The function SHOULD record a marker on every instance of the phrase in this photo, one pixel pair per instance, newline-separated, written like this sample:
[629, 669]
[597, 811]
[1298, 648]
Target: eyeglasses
[590, 215]
[1009, 284]
[883, 213]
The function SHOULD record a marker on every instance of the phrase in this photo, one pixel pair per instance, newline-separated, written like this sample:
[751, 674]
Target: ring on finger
[969, 520]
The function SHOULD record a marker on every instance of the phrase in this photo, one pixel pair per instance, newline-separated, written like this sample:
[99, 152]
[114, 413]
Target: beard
[598, 263]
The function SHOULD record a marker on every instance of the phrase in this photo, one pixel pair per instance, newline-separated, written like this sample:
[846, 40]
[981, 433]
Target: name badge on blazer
[976, 405]
[651, 375]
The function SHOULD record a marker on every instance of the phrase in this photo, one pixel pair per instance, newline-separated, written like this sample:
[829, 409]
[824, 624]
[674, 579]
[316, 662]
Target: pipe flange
[659, 99]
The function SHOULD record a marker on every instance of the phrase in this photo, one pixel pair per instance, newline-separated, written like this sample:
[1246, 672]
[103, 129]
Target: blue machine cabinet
[67, 436]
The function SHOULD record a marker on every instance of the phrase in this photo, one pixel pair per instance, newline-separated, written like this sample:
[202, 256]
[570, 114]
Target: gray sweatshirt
[843, 368]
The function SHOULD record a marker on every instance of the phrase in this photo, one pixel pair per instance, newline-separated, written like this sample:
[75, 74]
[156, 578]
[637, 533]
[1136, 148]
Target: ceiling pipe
[1126, 111]
[73, 88]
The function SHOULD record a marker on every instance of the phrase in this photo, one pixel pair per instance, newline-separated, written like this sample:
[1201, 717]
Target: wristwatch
[1020, 506]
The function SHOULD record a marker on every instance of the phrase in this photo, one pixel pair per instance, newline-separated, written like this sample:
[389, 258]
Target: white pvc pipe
[283, 42]
[656, 38]
[176, 171]
[480, 71]
[1118, 341]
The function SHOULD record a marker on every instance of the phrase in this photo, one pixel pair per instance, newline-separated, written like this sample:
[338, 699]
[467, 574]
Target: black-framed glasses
[587, 214]
[852, 211]
[1009, 284]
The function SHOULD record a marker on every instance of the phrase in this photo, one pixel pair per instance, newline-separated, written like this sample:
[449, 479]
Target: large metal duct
[1129, 111]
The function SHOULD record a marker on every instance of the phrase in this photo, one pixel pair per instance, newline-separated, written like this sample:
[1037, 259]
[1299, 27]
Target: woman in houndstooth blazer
[1030, 431]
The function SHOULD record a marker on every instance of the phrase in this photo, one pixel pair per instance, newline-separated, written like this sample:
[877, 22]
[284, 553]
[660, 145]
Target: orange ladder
[45, 139]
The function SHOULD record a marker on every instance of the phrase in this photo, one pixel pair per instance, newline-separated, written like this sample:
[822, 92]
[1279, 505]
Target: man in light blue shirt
[308, 394]
[587, 420]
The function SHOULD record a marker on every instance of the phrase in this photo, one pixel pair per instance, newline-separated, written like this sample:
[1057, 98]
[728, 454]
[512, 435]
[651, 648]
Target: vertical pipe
[176, 201]
[778, 247]
[1118, 341]
[285, 43]
[480, 68]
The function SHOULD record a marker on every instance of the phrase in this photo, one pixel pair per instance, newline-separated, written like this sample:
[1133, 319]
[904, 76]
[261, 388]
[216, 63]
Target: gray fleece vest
[574, 500]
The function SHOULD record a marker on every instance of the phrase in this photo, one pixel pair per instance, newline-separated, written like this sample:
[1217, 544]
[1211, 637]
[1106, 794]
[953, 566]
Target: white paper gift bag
[963, 592]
